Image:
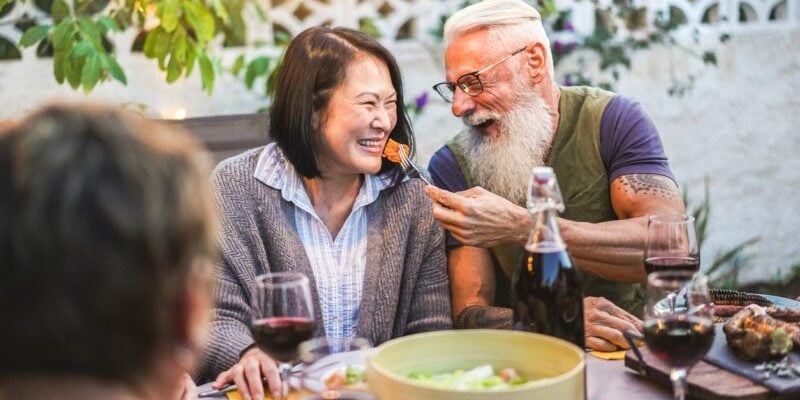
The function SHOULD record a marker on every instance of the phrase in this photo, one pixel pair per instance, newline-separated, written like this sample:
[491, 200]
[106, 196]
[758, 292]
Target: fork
[411, 170]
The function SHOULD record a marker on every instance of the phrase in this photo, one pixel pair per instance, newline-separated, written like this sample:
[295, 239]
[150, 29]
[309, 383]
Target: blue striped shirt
[338, 263]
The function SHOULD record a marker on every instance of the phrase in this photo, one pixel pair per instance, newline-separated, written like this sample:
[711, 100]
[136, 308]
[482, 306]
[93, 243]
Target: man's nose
[462, 103]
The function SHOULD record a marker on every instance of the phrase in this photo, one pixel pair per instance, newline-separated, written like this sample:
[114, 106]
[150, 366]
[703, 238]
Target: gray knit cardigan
[406, 289]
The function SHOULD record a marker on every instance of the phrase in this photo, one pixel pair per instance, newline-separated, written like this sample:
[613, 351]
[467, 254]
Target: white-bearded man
[604, 149]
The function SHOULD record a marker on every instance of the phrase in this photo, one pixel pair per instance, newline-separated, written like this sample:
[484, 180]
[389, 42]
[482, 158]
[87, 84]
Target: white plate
[782, 302]
[315, 374]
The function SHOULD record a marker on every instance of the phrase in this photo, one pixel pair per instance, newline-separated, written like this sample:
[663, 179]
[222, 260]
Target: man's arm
[472, 288]
[614, 249]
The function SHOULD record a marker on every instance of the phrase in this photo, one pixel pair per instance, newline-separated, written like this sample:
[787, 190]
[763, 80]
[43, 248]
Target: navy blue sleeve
[629, 141]
[445, 174]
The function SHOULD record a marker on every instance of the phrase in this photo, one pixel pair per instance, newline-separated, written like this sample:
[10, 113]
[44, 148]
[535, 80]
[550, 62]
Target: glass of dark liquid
[282, 318]
[671, 244]
[678, 327]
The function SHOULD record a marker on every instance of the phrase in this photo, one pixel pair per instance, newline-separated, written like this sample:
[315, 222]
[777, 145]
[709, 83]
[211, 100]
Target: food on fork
[392, 150]
[754, 335]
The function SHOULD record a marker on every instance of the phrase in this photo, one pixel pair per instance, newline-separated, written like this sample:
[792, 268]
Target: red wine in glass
[654, 264]
[679, 336]
[671, 244]
[282, 317]
[679, 340]
[280, 336]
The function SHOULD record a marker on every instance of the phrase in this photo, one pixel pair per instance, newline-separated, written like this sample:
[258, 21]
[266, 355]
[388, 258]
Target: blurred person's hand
[604, 323]
[248, 375]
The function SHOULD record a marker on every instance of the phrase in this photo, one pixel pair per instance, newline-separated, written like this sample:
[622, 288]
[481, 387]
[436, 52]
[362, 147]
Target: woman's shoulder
[242, 163]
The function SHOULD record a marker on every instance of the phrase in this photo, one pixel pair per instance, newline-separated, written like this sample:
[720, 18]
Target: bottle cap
[543, 191]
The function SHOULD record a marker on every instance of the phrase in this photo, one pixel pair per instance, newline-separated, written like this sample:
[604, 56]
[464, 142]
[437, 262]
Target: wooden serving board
[705, 381]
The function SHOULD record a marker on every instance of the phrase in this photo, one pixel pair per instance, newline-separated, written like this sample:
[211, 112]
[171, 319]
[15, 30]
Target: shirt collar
[275, 171]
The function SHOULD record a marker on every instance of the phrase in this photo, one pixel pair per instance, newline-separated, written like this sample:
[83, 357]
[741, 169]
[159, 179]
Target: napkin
[234, 395]
[609, 355]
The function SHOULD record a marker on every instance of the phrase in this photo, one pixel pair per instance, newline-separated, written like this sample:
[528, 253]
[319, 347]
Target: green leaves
[257, 67]
[62, 35]
[169, 12]
[79, 56]
[33, 35]
[179, 40]
[200, 20]
[206, 70]
[110, 64]
[91, 72]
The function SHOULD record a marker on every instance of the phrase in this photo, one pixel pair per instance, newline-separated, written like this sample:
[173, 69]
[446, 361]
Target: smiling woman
[323, 201]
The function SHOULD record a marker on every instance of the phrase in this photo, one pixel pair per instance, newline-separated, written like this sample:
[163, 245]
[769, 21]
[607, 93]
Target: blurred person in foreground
[605, 151]
[107, 241]
[321, 200]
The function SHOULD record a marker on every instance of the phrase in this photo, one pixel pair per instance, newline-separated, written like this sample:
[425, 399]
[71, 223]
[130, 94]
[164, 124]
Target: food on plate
[392, 150]
[728, 302]
[349, 376]
[754, 335]
[478, 378]
[784, 314]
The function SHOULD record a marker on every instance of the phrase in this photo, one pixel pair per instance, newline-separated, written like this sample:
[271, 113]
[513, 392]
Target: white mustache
[479, 117]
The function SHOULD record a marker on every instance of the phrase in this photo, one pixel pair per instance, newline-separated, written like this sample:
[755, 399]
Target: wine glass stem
[678, 378]
[285, 370]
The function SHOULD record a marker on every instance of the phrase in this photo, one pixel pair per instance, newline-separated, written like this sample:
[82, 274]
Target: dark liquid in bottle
[654, 264]
[547, 297]
[279, 337]
[680, 340]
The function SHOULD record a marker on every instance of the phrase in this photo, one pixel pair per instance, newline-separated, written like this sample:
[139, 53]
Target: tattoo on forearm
[649, 184]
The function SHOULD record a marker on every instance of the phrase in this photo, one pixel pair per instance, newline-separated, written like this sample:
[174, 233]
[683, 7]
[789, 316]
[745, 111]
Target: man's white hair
[511, 24]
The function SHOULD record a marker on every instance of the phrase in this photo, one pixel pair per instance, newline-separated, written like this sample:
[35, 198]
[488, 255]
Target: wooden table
[606, 380]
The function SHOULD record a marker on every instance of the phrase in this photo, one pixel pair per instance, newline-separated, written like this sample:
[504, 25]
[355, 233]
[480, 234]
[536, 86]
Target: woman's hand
[248, 375]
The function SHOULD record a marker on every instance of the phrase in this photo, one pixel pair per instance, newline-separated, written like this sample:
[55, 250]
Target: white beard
[503, 164]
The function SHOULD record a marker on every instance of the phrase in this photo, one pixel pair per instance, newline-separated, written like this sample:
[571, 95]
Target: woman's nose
[382, 120]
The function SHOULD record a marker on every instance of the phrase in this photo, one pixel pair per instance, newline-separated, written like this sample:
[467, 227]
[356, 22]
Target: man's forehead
[468, 52]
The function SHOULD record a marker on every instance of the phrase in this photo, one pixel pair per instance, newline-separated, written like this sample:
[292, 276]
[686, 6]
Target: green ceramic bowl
[556, 366]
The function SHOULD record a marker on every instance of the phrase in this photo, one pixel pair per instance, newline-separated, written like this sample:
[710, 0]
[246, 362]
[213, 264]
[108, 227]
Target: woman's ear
[536, 62]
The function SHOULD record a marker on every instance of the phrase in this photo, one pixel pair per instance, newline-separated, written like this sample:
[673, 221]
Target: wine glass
[678, 327]
[671, 243]
[282, 318]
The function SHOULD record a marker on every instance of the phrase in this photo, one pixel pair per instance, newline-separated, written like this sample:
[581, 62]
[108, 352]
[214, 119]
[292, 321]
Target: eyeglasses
[469, 83]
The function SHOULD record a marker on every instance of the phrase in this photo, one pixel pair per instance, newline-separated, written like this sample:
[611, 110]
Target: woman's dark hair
[314, 65]
[103, 216]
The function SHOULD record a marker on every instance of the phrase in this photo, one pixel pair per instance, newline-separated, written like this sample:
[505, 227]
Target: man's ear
[536, 61]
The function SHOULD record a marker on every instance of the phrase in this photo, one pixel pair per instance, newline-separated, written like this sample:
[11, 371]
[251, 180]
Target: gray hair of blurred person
[511, 24]
[107, 239]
